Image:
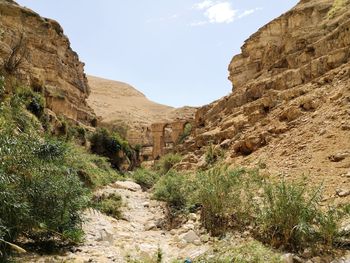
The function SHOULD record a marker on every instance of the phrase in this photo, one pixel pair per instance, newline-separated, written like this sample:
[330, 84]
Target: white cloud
[204, 5]
[218, 12]
[248, 12]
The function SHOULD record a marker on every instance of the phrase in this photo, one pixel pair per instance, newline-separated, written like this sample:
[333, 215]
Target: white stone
[150, 226]
[128, 185]
[287, 258]
[190, 236]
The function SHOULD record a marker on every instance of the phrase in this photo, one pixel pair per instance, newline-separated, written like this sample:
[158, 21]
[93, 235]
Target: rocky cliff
[36, 51]
[290, 105]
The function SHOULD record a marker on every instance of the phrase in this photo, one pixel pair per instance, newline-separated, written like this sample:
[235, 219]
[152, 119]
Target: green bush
[36, 192]
[288, 215]
[247, 252]
[109, 205]
[172, 188]
[146, 178]
[167, 162]
[51, 149]
[213, 154]
[93, 170]
[186, 133]
[226, 198]
[328, 229]
[110, 145]
[33, 101]
[41, 194]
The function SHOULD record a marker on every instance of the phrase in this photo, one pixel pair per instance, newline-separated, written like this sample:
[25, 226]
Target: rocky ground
[137, 236]
[140, 236]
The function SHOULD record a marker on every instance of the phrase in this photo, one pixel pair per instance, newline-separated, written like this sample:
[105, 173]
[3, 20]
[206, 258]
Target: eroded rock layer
[290, 105]
[36, 51]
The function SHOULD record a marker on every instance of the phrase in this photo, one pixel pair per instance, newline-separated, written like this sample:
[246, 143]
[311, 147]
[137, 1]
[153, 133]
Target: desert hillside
[290, 105]
[261, 175]
[116, 102]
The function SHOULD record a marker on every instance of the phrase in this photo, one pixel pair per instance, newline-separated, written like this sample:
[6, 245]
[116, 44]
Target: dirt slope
[116, 101]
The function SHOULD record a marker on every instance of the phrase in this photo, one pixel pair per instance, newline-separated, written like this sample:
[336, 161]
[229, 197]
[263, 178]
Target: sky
[174, 51]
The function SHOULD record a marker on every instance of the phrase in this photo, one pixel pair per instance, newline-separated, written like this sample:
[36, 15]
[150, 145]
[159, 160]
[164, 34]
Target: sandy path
[136, 236]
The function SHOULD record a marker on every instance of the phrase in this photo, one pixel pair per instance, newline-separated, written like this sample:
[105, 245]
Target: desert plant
[41, 194]
[186, 133]
[173, 189]
[245, 252]
[33, 101]
[328, 226]
[213, 154]
[109, 204]
[93, 170]
[288, 215]
[36, 192]
[226, 198]
[18, 53]
[337, 5]
[111, 145]
[167, 162]
[51, 150]
[146, 178]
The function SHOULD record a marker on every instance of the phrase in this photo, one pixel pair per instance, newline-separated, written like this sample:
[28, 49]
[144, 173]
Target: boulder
[128, 185]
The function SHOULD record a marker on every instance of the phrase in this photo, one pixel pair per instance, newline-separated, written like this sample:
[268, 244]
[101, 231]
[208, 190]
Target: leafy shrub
[213, 154]
[187, 132]
[93, 170]
[41, 194]
[33, 101]
[109, 205]
[167, 162]
[56, 200]
[225, 197]
[110, 145]
[288, 214]
[172, 188]
[146, 178]
[51, 150]
[37, 193]
[251, 251]
[328, 229]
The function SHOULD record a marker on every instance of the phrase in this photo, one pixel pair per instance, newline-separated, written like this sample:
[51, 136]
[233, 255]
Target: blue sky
[174, 51]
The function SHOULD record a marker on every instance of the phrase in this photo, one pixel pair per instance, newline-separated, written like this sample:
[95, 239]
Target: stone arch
[158, 139]
[168, 137]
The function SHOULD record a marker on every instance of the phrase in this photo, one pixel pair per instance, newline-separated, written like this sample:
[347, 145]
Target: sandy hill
[116, 101]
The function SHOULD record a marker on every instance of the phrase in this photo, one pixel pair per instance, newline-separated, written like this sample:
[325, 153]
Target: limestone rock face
[290, 104]
[280, 71]
[36, 51]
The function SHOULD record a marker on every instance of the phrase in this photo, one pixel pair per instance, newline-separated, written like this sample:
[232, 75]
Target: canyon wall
[36, 51]
[290, 104]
